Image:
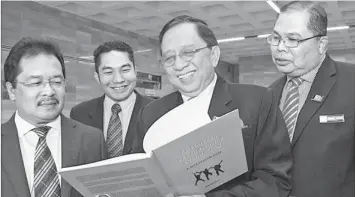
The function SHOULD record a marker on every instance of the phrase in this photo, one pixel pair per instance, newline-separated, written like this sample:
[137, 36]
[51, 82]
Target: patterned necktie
[290, 109]
[46, 180]
[114, 133]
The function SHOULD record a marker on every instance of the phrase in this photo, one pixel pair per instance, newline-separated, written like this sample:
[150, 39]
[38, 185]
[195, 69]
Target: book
[192, 163]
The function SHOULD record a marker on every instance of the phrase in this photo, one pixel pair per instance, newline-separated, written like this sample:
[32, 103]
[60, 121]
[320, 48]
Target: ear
[11, 91]
[96, 76]
[323, 45]
[215, 54]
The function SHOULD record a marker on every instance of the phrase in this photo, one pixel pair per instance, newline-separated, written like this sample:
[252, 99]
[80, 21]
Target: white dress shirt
[28, 141]
[125, 114]
[205, 96]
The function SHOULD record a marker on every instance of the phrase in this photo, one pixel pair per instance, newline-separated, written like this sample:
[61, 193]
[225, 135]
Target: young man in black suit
[115, 113]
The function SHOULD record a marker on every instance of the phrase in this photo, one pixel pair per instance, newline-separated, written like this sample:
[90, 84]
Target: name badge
[331, 118]
[317, 98]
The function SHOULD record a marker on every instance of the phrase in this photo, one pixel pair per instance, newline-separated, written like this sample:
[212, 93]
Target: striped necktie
[114, 133]
[290, 109]
[46, 180]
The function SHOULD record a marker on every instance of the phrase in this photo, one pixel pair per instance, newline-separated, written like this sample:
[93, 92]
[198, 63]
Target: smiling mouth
[186, 75]
[119, 88]
[48, 103]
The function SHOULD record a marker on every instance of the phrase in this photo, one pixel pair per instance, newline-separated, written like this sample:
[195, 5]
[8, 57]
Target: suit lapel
[71, 143]
[170, 102]
[220, 99]
[97, 113]
[132, 125]
[277, 88]
[322, 84]
[12, 159]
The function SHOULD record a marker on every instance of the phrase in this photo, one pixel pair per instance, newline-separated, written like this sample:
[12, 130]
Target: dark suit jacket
[81, 144]
[92, 113]
[324, 153]
[266, 141]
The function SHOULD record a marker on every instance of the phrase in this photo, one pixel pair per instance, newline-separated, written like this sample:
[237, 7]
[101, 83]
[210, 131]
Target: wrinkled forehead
[181, 36]
[293, 23]
[40, 65]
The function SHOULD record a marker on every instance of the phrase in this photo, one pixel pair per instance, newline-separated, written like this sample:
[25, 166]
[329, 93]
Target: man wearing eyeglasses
[38, 140]
[190, 53]
[316, 97]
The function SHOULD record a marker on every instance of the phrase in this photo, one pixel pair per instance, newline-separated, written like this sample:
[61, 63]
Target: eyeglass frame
[43, 83]
[298, 41]
[194, 51]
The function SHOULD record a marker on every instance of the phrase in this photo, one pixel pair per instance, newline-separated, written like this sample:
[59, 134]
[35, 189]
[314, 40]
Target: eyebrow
[41, 77]
[288, 34]
[126, 65]
[106, 67]
[183, 47]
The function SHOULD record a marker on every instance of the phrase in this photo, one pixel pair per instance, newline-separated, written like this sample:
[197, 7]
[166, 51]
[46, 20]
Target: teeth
[118, 88]
[186, 75]
[47, 102]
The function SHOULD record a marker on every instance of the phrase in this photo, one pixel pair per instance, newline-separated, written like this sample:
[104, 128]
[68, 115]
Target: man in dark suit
[319, 108]
[38, 139]
[189, 54]
[115, 72]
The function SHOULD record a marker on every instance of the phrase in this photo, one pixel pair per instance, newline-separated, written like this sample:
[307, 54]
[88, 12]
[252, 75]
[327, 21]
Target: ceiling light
[274, 6]
[230, 39]
[87, 57]
[263, 36]
[144, 50]
[337, 28]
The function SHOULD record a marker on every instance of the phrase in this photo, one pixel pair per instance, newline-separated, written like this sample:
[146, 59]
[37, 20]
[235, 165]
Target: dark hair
[202, 28]
[318, 20]
[112, 46]
[29, 47]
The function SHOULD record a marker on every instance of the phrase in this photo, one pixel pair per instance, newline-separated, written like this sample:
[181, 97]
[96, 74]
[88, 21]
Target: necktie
[114, 133]
[46, 180]
[290, 109]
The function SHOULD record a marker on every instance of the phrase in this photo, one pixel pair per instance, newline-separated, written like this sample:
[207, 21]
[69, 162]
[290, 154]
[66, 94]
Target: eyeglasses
[54, 83]
[185, 54]
[288, 42]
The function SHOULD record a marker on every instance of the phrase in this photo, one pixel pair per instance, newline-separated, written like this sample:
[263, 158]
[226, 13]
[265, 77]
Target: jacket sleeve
[272, 160]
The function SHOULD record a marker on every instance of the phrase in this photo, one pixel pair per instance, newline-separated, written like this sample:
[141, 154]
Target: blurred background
[80, 26]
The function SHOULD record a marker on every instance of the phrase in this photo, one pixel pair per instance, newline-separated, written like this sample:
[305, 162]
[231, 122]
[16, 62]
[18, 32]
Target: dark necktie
[46, 180]
[290, 109]
[114, 133]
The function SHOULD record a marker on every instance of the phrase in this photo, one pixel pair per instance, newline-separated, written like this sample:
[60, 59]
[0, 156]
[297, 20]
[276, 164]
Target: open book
[194, 163]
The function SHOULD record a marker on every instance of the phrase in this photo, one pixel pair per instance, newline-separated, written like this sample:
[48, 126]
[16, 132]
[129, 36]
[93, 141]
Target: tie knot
[296, 81]
[41, 131]
[116, 108]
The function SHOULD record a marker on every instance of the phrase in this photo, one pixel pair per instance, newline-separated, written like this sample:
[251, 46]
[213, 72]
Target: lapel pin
[317, 98]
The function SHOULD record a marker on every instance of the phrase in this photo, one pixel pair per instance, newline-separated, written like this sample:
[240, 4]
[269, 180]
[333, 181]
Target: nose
[117, 78]
[180, 64]
[281, 46]
[48, 89]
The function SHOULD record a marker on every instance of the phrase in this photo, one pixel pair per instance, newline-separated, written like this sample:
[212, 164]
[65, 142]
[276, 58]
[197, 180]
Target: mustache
[46, 100]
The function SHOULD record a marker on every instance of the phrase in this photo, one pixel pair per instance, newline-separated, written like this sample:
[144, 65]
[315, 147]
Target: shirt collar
[124, 104]
[24, 127]
[208, 90]
[311, 75]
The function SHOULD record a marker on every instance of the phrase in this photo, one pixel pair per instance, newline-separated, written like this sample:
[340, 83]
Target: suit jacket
[81, 144]
[324, 153]
[265, 138]
[92, 113]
